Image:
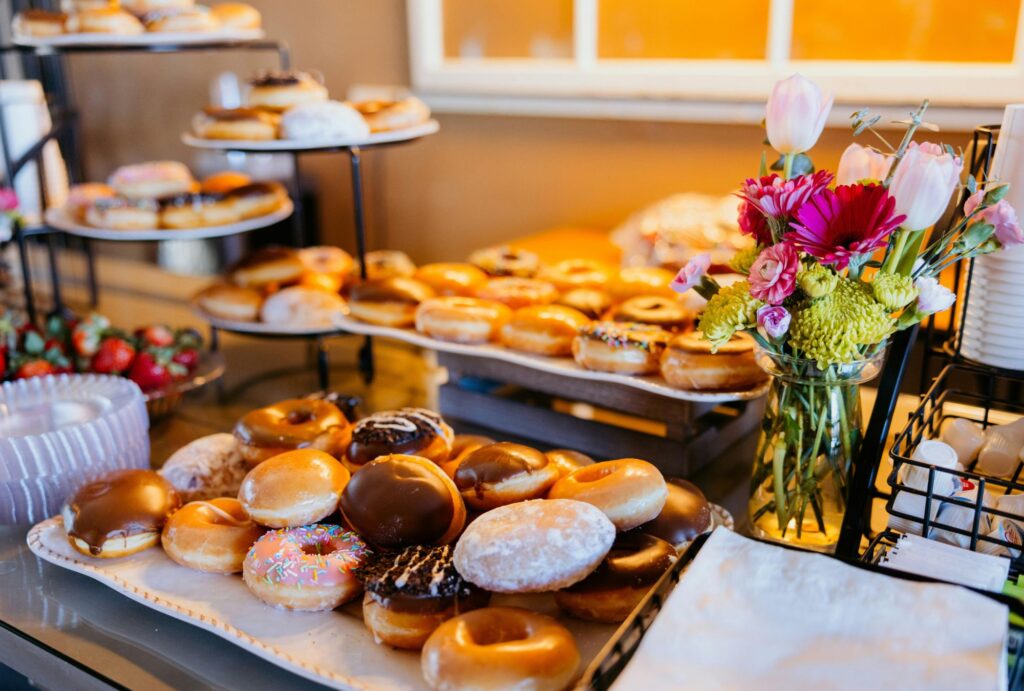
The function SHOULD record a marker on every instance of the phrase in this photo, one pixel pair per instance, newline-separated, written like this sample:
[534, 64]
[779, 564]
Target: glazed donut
[82, 197]
[657, 310]
[629, 491]
[688, 363]
[193, 19]
[308, 568]
[230, 302]
[388, 301]
[518, 292]
[533, 546]
[504, 473]
[461, 320]
[296, 423]
[206, 468]
[543, 329]
[293, 488]
[120, 513]
[196, 211]
[506, 261]
[154, 180]
[212, 535]
[106, 20]
[280, 90]
[412, 592]
[302, 306]
[257, 198]
[384, 116]
[567, 460]
[237, 15]
[590, 301]
[500, 648]
[266, 267]
[237, 124]
[641, 280]
[410, 431]
[399, 501]
[577, 273]
[686, 515]
[223, 182]
[462, 446]
[330, 261]
[38, 23]
[386, 264]
[609, 595]
[452, 278]
[621, 347]
[324, 121]
[120, 213]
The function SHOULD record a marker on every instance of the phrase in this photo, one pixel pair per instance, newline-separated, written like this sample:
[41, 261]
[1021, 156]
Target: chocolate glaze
[293, 423]
[119, 505]
[395, 502]
[686, 515]
[406, 431]
[636, 560]
[491, 464]
[278, 78]
[418, 580]
[394, 289]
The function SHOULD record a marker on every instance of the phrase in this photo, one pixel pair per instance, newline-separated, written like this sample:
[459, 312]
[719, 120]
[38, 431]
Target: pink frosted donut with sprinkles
[307, 569]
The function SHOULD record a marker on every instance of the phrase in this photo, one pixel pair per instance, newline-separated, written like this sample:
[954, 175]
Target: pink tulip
[861, 163]
[691, 274]
[796, 114]
[924, 183]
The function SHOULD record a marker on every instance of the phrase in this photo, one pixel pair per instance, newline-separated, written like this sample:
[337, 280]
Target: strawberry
[114, 356]
[154, 369]
[187, 358]
[3, 362]
[34, 367]
[157, 335]
[87, 334]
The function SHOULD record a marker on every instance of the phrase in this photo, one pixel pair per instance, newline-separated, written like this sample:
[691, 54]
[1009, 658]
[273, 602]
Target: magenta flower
[837, 226]
[773, 273]
[691, 274]
[772, 197]
[8, 200]
[773, 321]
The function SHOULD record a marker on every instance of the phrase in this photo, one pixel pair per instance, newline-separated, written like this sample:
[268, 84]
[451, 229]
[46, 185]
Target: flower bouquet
[840, 263]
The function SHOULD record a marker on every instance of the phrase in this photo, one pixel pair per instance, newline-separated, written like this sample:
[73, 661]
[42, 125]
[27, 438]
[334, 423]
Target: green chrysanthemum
[816, 280]
[830, 329]
[731, 309]
[742, 260]
[894, 291]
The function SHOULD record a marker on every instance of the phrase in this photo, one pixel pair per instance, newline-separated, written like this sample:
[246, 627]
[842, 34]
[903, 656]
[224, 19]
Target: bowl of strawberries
[166, 363]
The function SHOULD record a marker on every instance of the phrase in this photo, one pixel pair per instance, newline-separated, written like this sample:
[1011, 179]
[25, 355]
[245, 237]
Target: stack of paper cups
[933, 453]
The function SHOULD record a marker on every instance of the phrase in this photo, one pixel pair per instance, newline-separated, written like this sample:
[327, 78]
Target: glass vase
[810, 434]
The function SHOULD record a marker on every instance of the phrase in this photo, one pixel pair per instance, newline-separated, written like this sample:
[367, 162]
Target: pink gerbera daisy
[836, 226]
[772, 197]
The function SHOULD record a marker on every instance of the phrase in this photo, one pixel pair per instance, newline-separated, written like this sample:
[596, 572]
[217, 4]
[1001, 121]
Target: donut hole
[315, 548]
[505, 632]
[299, 417]
[595, 472]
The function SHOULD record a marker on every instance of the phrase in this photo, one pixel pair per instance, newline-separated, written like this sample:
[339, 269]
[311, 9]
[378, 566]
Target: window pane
[504, 29]
[698, 29]
[924, 30]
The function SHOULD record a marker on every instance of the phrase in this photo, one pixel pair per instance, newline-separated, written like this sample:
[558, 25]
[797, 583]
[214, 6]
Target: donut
[154, 180]
[230, 302]
[567, 460]
[237, 15]
[39, 23]
[688, 363]
[302, 306]
[257, 198]
[82, 197]
[120, 513]
[534, 546]
[141, 7]
[279, 90]
[120, 213]
[590, 301]
[571, 274]
[196, 210]
[657, 310]
[267, 267]
[686, 515]
[71, 6]
[206, 468]
[295, 423]
[386, 264]
[452, 278]
[506, 261]
[210, 535]
[412, 592]
[641, 280]
[500, 648]
[504, 473]
[236, 124]
[324, 121]
[399, 501]
[384, 116]
[105, 20]
[543, 329]
[518, 292]
[461, 320]
[462, 446]
[609, 595]
[293, 488]
[410, 431]
[310, 568]
[622, 347]
[388, 301]
[191, 20]
[223, 182]
[326, 267]
[629, 491]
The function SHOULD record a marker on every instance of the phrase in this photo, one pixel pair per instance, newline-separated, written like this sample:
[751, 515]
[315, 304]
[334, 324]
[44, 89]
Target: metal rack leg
[323, 364]
[366, 363]
[26, 274]
[90, 272]
[51, 251]
[299, 214]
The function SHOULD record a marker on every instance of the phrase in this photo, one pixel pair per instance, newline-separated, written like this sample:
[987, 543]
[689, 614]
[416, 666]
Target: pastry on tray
[135, 17]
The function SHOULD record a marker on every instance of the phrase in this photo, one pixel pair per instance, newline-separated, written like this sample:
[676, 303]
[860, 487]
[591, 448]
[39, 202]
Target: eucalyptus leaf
[972, 184]
[802, 165]
[865, 125]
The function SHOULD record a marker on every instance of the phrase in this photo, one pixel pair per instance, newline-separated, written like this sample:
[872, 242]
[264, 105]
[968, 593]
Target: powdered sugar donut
[206, 468]
[534, 546]
[325, 121]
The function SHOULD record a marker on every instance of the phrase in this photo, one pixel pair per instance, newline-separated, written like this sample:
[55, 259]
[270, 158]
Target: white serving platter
[155, 39]
[262, 329]
[59, 219]
[289, 145]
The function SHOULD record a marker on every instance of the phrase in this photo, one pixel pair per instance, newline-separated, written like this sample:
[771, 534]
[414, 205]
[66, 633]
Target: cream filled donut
[308, 568]
[461, 320]
[302, 306]
[324, 121]
[629, 491]
[212, 536]
[153, 180]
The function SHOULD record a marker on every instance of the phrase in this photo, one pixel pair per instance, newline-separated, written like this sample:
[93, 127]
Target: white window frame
[964, 95]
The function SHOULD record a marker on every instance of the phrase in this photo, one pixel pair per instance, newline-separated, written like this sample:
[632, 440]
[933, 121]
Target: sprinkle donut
[308, 568]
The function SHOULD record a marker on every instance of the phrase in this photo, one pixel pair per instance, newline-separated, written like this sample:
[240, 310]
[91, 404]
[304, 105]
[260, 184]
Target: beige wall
[483, 179]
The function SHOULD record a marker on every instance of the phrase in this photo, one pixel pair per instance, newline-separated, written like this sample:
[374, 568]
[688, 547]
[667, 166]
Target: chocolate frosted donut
[504, 473]
[411, 431]
[277, 78]
[686, 514]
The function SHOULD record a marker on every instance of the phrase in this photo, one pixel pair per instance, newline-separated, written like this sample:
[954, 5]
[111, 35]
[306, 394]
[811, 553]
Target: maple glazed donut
[294, 488]
[621, 347]
[543, 329]
[210, 535]
[504, 473]
[461, 320]
[297, 423]
[629, 491]
[410, 431]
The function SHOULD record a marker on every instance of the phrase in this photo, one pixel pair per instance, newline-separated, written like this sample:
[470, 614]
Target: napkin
[749, 615]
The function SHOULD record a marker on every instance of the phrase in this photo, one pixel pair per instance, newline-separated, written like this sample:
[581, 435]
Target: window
[642, 58]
